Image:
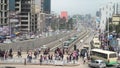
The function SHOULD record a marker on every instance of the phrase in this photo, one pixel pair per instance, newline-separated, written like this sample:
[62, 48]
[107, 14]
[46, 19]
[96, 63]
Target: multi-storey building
[42, 15]
[45, 6]
[106, 12]
[24, 9]
[5, 7]
[117, 8]
[27, 14]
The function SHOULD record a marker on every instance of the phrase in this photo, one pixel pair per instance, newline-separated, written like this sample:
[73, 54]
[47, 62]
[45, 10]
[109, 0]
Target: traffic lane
[58, 42]
[61, 42]
[77, 41]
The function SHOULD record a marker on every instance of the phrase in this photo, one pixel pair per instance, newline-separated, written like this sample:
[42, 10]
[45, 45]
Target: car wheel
[89, 65]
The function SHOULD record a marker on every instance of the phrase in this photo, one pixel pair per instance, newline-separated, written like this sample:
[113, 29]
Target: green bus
[109, 57]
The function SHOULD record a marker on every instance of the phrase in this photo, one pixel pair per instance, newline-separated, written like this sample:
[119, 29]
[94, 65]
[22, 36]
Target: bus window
[97, 44]
[112, 55]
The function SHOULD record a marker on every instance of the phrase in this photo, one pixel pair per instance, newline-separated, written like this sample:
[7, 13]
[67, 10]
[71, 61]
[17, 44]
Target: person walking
[41, 59]
[84, 59]
[19, 53]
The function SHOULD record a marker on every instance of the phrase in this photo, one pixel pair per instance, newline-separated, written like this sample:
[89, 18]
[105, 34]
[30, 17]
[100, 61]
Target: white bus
[109, 57]
[96, 43]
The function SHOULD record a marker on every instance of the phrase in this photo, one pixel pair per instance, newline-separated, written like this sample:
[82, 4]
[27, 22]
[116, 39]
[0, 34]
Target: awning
[17, 33]
[2, 37]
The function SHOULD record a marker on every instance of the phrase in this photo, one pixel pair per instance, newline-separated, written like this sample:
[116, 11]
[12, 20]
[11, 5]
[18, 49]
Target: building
[106, 12]
[64, 14]
[39, 19]
[45, 6]
[5, 7]
[26, 9]
[8, 17]
[115, 19]
[117, 8]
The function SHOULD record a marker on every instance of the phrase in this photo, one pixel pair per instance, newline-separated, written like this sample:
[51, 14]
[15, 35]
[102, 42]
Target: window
[99, 54]
[5, 1]
[5, 7]
[5, 20]
[1, 7]
[97, 44]
[24, 18]
[5, 14]
[112, 55]
[1, 14]
[1, 1]
[1, 21]
[96, 62]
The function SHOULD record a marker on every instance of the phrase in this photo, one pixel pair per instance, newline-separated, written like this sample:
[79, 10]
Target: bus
[69, 41]
[109, 57]
[96, 43]
[86, 46]
[66, 44]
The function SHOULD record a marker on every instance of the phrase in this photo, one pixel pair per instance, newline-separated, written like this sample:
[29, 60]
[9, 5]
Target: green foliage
[61, 23]
[70, 24]
[113, 27]
[117, 28]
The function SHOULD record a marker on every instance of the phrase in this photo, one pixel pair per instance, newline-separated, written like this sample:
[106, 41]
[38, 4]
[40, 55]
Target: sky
[77, 6]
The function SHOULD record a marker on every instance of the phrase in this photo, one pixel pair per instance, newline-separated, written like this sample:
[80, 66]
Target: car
[32, 37]
[81, 40]
[118, 65]
[7, 41]
[43, 47]
[97, 64]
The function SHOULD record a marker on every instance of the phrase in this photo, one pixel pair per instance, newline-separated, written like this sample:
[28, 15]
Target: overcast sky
[77, 6]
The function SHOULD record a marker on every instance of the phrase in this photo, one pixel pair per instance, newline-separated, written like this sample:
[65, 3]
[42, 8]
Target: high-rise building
[117, 5]
[106, 12]
[25, 10]
[45, 6]
[5, 7]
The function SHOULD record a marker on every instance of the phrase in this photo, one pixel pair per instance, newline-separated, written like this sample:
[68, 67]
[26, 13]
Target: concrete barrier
[31, 44]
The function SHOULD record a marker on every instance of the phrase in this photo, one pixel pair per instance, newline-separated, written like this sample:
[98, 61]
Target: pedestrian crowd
[45, 55]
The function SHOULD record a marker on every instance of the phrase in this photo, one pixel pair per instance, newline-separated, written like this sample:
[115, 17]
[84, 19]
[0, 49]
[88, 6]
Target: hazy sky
[77, 6]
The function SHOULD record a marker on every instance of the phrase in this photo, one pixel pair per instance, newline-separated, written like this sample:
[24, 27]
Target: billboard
[64, 14]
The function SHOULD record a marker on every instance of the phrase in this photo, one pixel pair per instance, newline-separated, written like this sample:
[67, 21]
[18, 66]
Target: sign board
[14, 20]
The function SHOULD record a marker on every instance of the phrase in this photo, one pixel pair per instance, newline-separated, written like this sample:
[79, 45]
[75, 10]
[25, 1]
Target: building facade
[116, 19]
[39, 19]
[27, 14]
[4, 12]
[117, 8]
[106, 12]
[24, 9]
[45, 6]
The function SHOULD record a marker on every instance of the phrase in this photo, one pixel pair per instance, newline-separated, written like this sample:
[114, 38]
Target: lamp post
[49, 18]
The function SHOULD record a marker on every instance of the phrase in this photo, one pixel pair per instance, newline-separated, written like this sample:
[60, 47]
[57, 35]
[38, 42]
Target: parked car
[32, 37]
[7, 41]
[118, 65]
[97, 64]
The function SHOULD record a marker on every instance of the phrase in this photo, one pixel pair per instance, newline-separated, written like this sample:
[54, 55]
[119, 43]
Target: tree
[117, 28]
[62, 23]
[111, 27]
[70, 23]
